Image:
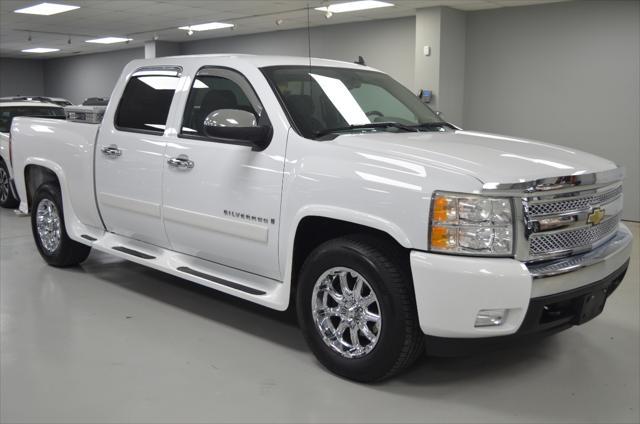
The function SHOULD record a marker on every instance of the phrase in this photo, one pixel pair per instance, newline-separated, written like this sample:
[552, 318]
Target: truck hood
[490, 158]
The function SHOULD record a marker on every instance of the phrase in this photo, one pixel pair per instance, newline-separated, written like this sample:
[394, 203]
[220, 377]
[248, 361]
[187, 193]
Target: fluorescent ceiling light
[109, 40]
[206, 27]
[47, 9]
[40, 50]
[353, 6]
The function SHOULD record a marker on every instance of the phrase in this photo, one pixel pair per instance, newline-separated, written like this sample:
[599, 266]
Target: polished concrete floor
[115, 342]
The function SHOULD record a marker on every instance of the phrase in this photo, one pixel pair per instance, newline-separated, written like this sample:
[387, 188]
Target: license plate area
[592, 306]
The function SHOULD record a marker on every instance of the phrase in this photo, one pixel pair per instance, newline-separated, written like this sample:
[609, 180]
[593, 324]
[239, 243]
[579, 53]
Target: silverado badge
[595, 217]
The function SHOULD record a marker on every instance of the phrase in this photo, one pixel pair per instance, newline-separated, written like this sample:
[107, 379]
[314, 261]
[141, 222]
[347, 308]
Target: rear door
[225, 208]
[130, 156]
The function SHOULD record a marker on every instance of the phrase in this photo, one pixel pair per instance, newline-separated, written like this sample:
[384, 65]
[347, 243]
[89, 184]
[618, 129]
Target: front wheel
[50, 232]
[357, 310]
[7, 199]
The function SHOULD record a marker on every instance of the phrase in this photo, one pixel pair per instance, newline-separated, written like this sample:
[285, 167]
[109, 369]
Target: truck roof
[259, 61]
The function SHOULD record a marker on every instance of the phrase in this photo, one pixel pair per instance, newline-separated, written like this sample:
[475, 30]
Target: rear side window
[146, 100]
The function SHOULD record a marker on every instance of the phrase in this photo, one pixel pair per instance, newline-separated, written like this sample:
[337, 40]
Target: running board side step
[132, 252]
[224, 282]
[269, 292]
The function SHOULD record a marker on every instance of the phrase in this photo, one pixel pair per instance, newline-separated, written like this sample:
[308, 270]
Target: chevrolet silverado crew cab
[326, 184]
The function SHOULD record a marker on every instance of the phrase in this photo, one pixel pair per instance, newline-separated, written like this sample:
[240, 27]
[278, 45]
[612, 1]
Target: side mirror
[237, 126]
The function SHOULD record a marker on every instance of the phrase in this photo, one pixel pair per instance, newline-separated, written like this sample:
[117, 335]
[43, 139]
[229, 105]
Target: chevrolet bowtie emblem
[595, 217]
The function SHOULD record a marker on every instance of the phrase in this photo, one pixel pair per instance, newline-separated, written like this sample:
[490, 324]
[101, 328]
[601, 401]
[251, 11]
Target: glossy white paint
[451, 290]
[66, 148]
[195, 220]
[4, 152]
[4, 137]
[129, 204]
[130, 186]
[380, 180]
[247, 184]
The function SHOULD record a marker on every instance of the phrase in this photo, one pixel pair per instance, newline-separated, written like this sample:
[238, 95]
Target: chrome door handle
[111, 151]
[182, 162]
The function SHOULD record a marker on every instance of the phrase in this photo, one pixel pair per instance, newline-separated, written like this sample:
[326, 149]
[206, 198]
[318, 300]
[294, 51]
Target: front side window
[216, 89]
[146, 100]
[9, 112]
[320, 99]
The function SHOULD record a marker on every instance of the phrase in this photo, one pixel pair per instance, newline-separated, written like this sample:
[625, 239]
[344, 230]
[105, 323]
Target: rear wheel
[357, 310]
[7, 200]
[49, 230]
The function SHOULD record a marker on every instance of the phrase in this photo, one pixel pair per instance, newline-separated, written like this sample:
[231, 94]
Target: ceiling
[141, 20]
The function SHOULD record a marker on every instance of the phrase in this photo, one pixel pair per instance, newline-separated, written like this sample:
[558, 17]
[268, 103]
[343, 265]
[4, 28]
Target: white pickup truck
[326, 184]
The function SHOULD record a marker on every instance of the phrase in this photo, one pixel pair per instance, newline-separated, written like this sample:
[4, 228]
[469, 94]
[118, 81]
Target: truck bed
[67, 148]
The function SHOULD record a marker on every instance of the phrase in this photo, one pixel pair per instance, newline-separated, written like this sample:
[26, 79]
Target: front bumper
[451, 290]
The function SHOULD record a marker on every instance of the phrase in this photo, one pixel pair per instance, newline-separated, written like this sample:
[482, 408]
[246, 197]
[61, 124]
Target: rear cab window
[146, 100]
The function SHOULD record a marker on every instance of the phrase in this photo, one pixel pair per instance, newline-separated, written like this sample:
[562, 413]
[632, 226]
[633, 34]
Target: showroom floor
[113, 341]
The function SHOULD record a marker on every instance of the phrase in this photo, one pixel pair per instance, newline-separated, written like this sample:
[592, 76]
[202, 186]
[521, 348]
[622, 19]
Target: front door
[222, 199]
[130, 157]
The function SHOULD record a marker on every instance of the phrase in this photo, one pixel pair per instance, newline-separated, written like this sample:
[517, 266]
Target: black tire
[7, 199]
[68, 252]
[400, 341]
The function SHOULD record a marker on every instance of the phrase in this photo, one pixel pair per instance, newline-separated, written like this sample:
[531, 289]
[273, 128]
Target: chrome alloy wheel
[4, 185]
[346, 312]
[48, 225]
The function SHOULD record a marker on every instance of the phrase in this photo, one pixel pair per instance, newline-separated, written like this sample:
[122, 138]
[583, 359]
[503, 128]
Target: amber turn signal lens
[440, 206]
[441, 237]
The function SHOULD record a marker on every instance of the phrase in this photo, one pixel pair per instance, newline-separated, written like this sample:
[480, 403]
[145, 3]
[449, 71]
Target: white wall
[92, 75]
[384, 44]
[566, 73]
[21, 77]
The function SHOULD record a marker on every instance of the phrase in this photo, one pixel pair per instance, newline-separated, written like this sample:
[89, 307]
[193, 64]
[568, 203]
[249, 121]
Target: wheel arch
[315, 226]
[36, 175]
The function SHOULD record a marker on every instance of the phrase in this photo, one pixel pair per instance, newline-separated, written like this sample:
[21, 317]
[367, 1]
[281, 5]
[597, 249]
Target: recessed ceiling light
[47, 9]
[206, 27]
[353, 6]
[109, 40]
[40, 50]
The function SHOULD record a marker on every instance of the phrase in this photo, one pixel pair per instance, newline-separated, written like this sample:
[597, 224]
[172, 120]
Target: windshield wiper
[367, 126]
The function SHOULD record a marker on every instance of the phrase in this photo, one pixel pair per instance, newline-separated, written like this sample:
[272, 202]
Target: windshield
[321, 99]
[9, 112]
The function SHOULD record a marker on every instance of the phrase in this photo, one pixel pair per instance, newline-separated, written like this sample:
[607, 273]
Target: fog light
[490, 317]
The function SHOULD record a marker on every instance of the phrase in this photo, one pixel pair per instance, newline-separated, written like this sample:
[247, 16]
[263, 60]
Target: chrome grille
[569, 205]
[542, 244]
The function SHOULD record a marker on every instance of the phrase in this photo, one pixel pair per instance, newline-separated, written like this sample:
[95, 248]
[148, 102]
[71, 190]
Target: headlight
[470, 224]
